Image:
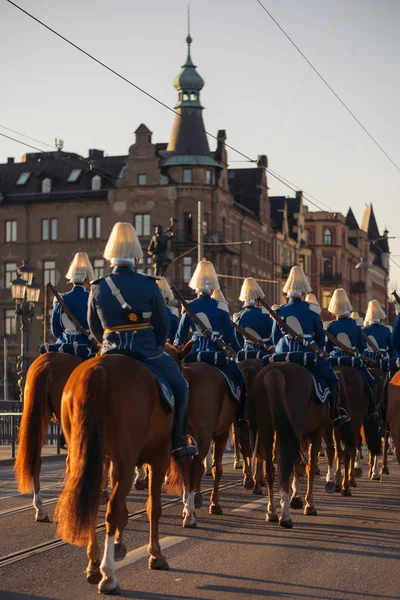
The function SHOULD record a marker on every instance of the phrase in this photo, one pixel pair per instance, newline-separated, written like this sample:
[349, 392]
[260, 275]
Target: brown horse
[283, 401]
[211, 413]
[371, 427]
[44, 384]
[111, 406]
[394, 411]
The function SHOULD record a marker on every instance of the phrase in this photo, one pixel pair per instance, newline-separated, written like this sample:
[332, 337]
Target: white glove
[397, 309]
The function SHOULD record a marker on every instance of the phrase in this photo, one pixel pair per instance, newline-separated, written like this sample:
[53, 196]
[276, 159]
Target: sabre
[92, 340]
[221, 345]
[396, 296]
[311, 346]
[349, 351]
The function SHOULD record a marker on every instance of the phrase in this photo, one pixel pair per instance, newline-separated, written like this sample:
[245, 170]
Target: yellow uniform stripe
[133, 327]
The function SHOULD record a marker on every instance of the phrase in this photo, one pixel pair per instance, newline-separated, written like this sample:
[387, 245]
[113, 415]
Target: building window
[46, 185]
[89, 228]
[187, 268]
[142, 225]
[188, 225]
[326, 298]
[49, 272]
[328, 265]
[98, 267]
[209, 177]
[96, 182]
[10, 322]
[145, 265]
[23, 178]
[73, 176]
[187, 176]
[142, 179]
[10, 273]
[49, 230]
[327, 237]
[11, 231]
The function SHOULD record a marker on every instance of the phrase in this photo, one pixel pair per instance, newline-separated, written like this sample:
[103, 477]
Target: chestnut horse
[212, 411]
[111, 407]
[44, 384]
[283, 401]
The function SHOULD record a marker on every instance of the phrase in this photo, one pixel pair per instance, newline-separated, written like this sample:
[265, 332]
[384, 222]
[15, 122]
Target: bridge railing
[9, 431]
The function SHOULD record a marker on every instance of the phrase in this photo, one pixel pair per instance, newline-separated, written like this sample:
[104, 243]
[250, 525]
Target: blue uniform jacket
[396, 336]
[173, 325]
[143, 295]
[348, 332]
[215, 315]
[382, 336]
[257, 323]
[62, 328]
[300, 316]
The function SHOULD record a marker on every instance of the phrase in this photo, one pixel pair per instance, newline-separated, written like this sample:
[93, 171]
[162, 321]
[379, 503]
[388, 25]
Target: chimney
[96, 154]
[10, 160]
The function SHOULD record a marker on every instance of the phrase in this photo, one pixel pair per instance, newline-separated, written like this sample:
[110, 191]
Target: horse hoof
[330, 487]
[310, 511]
[263, 482]
[385, 471]
[248, 484]
[208, 473]
[296, 503]
[93, 575]
[358, 472]
[272, 517]
[198, 500]
[104, 498]
[237, 465]
[119, 551]
[288, 524]
[353, 483]
[140, 485]
[109, 585]
[257, 491]
[215, 510]
[42, 518]
[346, 492]
[189, 525]
[158, 563]
[375, 477]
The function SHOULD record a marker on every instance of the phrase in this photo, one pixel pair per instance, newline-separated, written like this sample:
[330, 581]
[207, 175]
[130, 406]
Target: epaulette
[326, 324]
[315, 308]
[223, 306]
[94, 281]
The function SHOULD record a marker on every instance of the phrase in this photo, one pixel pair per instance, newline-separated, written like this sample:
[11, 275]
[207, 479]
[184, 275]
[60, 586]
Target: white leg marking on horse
[376, 470]
[208, 462]
[188, 508]
[330, 476]
[109, 583]
[294, 485]
[285, 506]
[40, 511]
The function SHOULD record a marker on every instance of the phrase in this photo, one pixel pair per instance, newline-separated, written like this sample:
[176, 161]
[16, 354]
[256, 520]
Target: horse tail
[35, 416]
[77, 507]
[287, 437]
[372, 435]
[177, 475]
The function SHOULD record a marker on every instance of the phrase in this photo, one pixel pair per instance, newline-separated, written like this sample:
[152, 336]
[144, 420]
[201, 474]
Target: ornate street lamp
[26, 294]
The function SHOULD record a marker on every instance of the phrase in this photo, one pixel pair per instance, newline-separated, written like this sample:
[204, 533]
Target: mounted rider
[252, 317]
[68, 338]
[215, 316]
[359, 320]
[305, 319]
[379, 334]
[396, 332]
[127, 313]
[173, 312]
[347, 331]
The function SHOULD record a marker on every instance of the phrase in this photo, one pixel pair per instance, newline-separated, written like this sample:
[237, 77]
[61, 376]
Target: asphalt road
[349, 551]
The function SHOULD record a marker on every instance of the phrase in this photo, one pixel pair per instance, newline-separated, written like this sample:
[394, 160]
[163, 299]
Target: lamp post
[26, 294]
[364, 264]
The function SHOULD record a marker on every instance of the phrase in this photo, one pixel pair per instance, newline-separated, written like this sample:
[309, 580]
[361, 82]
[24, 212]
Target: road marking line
[251, 506]
[136, 555]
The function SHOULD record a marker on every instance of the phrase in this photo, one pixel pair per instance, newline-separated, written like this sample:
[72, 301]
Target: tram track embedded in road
[58, 542]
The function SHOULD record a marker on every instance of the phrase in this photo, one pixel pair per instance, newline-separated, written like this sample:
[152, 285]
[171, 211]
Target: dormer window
[96, 182]
[73, 176]
[23, 178]
[46, 185]
[187, 176]
[142, 179]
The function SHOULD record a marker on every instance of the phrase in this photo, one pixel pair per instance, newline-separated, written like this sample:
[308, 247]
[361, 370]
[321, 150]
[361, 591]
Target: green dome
[188, 79]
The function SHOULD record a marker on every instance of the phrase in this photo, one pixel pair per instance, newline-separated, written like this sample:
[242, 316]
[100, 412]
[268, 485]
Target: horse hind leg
[208, 462]
[104, 497]
[220, 443]
[312, 468]
[93, 575]
[41, 515]
[375, 470]
[295, 501]
[156, 477]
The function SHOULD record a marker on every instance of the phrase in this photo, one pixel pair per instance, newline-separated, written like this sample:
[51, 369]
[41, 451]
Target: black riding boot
[241, 420]
[180, 448]
[338, 414]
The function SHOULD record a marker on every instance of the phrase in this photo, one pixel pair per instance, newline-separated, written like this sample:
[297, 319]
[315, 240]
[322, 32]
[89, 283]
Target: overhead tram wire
[325, 82]
[140, 89]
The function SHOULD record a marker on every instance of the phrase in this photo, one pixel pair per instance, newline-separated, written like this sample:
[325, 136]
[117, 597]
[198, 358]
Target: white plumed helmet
[165, 290]
[297, 283]
[80, 269]
[312, 299]
[204, 279]
[340, 303]
[375, 314]
[355, 315]
[250, 291]
[123, 245]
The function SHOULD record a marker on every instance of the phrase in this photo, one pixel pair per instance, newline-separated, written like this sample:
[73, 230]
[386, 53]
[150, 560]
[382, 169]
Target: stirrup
[342, 418]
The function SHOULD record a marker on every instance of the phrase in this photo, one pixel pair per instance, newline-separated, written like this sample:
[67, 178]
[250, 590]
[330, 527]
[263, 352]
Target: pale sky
[250, 69]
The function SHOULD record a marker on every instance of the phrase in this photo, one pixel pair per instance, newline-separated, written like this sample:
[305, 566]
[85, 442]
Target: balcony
[333, 278]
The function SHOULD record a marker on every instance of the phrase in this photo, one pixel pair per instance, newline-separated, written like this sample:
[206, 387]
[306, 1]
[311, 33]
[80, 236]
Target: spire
[188, 143]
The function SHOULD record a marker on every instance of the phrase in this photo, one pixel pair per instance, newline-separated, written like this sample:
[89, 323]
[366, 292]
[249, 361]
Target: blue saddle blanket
[226, 366]
[76, 349]
[247, 354]
[390, 365]
[309, 360]
[215, 359]
[166, 394]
